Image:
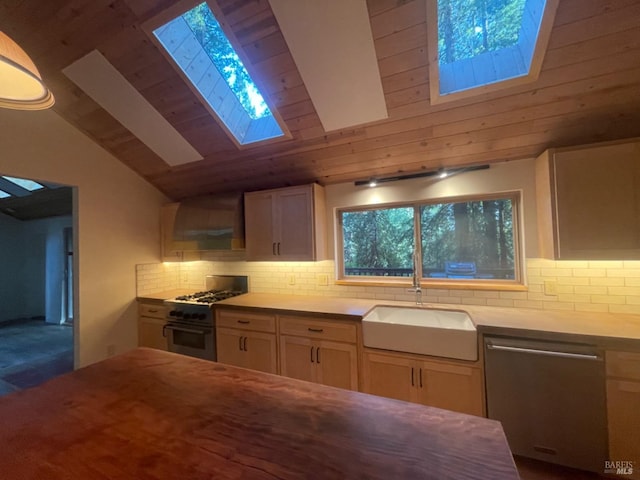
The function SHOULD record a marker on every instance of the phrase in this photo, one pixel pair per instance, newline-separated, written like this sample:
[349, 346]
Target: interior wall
[13, 267]
[501, 177]
[117, 223]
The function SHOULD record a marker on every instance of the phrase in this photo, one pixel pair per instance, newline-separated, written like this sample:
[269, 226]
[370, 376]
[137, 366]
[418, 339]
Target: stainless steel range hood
[213, 222]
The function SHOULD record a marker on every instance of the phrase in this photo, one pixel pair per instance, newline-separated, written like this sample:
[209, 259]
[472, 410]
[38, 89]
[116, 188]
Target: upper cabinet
[286, 224]
[589, 202]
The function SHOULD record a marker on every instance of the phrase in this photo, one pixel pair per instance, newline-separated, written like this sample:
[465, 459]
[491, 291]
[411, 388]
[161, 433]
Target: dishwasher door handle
[548, 353]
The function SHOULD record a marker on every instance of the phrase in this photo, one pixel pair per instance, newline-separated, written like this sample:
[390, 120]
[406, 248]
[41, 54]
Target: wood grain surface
[154, 415]
[587, 92]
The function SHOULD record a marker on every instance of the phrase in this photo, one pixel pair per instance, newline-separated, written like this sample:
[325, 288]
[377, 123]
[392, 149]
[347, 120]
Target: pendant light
[21, 86]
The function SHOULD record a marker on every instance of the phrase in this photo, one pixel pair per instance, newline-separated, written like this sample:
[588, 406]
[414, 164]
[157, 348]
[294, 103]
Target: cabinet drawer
[623, 365]
[318, 328]
[150, 310]
[256, 322]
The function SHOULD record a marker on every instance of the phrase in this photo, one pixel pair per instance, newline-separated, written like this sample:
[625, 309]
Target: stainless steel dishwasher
[550, 399]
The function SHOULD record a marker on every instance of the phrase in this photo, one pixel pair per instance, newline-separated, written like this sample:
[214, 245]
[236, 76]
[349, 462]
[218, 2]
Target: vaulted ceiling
[588, 91]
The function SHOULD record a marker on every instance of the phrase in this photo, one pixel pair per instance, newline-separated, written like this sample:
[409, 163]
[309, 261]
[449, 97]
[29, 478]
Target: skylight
[480, 44]
[26, 184]
[4, 194]
[201, 49]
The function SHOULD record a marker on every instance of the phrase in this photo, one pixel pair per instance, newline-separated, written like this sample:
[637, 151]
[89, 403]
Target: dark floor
[32, 352]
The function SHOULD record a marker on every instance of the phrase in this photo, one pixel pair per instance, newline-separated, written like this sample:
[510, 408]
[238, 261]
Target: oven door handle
[183, 329]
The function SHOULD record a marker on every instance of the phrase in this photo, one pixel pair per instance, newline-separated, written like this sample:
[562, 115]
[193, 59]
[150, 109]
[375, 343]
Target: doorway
[36, 282]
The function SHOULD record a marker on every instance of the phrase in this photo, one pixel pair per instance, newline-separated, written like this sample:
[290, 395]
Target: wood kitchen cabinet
[286, 224]
[247, 340]
[319, 350]
[588, 206]
[623, 408]
[443, 384]
[151, 322]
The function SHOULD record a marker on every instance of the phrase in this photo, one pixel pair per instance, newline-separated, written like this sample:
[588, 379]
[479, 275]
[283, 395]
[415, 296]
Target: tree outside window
[467, 239]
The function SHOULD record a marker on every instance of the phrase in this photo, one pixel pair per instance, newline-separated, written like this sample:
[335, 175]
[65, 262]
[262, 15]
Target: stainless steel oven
[190, 327]
[191, 339]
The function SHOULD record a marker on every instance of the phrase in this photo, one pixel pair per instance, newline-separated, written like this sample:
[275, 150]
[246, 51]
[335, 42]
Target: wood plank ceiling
[588, 91]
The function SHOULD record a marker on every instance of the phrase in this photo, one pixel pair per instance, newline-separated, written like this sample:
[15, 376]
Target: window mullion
[417, 233]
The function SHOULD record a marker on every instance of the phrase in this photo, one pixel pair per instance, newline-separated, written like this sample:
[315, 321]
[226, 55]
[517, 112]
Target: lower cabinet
[151, 322]
[623, 411]
[443, 384]
[247, 340]
[319, 350]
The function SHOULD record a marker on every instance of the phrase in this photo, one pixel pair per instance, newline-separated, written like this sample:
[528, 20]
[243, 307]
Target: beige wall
[117, 222]
[580, 285]
[501, 177]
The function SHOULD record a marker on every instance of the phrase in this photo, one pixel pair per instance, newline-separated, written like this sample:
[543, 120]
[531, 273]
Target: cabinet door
[259, 222]
[297, 358]
[623, 409]
[229, 346]
[295, 226]
[259, 350]
[337, 365]
[150, 333]
[389, 376]
[452, 387]
[597, 203]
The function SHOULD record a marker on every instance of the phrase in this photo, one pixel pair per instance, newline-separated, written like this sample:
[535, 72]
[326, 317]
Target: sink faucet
[416, 281]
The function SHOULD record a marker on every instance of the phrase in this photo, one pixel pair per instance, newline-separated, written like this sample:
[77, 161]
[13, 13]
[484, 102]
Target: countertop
[607, 329]
[610, 330]
[157, 415]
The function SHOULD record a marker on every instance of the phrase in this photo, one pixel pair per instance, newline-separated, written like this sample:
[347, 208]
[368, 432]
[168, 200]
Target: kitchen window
[466, 240]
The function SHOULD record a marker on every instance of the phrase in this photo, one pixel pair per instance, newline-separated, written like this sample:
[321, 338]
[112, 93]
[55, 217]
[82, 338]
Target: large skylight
[480, 44]
[26, 184]
[198, 45]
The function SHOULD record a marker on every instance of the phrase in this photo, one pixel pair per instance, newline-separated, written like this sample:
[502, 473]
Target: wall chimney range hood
[198, 224]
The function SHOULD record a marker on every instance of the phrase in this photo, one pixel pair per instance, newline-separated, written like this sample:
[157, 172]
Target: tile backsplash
[590, 286]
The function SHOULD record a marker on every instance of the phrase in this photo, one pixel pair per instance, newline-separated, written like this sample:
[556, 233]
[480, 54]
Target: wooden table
[155, 415]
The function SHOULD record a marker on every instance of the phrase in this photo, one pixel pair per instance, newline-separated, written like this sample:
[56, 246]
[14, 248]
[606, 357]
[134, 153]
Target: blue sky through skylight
[199, 46]
[485, 42]
[26, 184]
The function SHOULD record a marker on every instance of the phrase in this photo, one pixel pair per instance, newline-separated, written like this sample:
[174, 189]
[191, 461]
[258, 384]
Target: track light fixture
[439, 173]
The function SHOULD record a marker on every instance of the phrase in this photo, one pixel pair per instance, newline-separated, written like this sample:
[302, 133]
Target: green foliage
[207, 30]
[467, 28]
[478, 231]
[378, 238]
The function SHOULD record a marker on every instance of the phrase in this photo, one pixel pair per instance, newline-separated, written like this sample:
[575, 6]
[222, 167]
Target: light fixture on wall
[439, 173]
[21, 86]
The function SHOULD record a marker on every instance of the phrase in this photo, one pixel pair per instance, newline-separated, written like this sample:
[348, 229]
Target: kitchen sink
[427, 331]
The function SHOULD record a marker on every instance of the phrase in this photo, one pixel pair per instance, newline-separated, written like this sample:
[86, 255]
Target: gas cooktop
[218, 287]
[206, 297]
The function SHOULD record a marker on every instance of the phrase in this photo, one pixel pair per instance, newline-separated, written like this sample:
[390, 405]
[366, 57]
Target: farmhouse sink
[441, 333]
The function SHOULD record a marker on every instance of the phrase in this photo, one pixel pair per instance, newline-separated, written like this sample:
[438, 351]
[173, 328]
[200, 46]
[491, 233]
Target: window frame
[539, 51]
[517, 284]
[178, 9]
